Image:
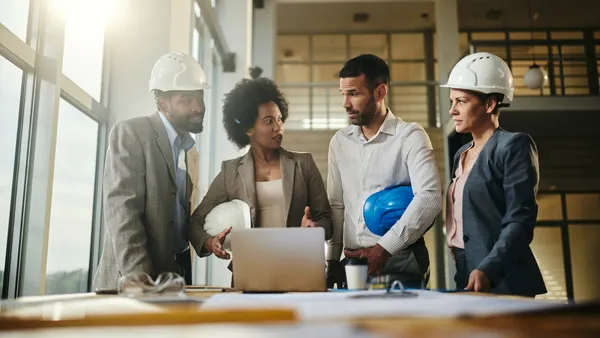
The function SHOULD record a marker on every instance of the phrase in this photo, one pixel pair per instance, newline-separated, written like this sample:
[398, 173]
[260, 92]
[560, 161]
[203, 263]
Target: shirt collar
[187, 143]
[387, 127]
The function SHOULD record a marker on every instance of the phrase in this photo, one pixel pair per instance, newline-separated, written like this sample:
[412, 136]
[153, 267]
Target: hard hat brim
[181, 88]
[483, 90]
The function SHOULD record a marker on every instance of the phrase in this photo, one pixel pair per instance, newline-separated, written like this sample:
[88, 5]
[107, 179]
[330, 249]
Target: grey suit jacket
[302, 186]
[139, 192]
[500, 212]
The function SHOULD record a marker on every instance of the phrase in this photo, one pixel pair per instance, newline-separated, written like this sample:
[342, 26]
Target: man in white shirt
[378, 151]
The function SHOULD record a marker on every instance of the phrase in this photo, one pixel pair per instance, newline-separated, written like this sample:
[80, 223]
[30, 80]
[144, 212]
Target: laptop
[278, 259]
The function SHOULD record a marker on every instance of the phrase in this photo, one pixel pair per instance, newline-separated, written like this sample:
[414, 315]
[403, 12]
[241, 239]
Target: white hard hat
[234, 214]
[482, 72]
[177, 71]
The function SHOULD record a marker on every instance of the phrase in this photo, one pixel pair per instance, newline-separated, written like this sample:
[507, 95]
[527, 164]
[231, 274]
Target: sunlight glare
[86, 15]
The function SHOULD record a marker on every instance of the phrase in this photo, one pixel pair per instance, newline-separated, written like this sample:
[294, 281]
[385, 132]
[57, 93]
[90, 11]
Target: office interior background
[69, 69]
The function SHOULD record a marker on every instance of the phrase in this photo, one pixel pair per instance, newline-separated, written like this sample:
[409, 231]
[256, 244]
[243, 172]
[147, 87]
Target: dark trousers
[184, 259]
[461, 278]
[409, 266]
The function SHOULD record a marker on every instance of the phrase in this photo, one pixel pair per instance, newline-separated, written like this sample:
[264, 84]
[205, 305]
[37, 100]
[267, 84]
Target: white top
[400, 153]
[269, 196]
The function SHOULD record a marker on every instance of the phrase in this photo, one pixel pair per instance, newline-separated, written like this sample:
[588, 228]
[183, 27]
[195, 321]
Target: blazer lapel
[246, 172]
[288, 171]
[163, 143]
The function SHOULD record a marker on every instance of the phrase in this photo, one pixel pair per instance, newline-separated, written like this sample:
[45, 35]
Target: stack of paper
[338, 305]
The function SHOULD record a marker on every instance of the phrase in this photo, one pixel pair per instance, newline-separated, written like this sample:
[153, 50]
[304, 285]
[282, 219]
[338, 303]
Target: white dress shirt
[400, 153]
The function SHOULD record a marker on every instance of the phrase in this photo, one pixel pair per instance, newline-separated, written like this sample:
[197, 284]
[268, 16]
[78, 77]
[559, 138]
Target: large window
[565, 245]
[308, 66]
[72, 202]
[13, 15]
[562, 54]
[49, 197]
[84, 43]
[10, 94]
[199, 36]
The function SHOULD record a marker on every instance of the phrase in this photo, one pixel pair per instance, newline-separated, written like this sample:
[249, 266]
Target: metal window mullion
[566, 246]
[591, 62]
[41, 153]
[17, 215]
[561, 71]
[21, 54]
[15, 50]
[101, 113]
[551, 65]
[210, 17]
[97, 231]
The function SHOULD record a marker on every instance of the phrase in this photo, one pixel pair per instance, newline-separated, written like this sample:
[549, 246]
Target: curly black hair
[240, 108]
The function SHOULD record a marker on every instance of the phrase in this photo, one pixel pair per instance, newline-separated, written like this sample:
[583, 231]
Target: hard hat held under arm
[234, 214]
[384, 208]
[484, 73]
[177, 72]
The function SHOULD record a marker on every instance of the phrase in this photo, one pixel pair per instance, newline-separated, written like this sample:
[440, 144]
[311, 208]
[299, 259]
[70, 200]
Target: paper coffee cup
[356, 273]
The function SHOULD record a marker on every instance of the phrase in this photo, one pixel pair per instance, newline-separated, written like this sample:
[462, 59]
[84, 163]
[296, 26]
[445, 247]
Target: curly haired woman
[282, 188]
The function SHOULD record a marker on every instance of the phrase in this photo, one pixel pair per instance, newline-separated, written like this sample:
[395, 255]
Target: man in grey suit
[147, 188]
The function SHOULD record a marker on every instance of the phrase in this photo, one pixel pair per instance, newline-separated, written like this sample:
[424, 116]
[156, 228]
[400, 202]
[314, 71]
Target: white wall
[181, 25]
[134, 46]
[147, 30]
[235, 18]
[264, 38]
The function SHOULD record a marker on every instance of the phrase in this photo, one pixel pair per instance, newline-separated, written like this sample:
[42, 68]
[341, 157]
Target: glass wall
[50, 136]
[565, 244]
[13, 16]
[307, 67]
[72, 204]
[568, 57]
[10, 88]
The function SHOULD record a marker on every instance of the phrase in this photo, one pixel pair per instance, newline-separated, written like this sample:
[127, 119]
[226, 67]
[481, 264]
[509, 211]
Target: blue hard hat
[384, 208]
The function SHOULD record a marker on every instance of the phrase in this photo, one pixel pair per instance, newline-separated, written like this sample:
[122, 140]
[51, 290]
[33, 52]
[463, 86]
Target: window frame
[43, 84]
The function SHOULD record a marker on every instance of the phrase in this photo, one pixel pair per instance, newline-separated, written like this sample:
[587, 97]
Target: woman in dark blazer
[282, 188]
[491, 206]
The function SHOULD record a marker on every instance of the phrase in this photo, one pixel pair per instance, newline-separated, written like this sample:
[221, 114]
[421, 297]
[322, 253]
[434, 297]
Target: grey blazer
[139, 187]
[500, 211]
[302, 186]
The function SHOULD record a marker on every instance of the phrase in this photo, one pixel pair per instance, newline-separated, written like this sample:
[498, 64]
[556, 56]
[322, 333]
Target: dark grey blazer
[500, 211]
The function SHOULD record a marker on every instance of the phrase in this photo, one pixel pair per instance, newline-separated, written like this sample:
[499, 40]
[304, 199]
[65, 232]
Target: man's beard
[184, 123]
[366, 116]
[195, 128]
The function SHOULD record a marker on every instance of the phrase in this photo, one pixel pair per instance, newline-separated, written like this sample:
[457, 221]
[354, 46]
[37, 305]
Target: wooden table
[572, 322]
